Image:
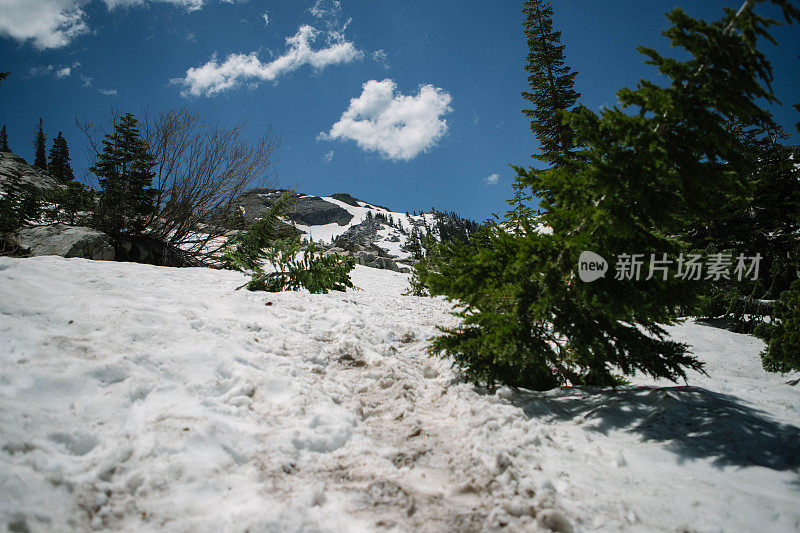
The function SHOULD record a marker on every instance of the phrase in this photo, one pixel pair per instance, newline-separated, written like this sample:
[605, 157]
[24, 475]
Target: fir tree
[551, 82]
[39, 144]
[551, 93]
[644, 175]
[4, 140]
[59, 160]
[124, 169]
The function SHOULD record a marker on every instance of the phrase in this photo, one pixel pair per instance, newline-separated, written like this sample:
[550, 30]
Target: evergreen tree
[19, 205]
[551, 93]
[39, 144]
[4, 140]
[124, 169]
[641, 177]
[59, 160]
[551, 82]
[783, 336]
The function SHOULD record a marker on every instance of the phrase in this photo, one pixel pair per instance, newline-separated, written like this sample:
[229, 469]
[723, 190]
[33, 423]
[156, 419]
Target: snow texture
[145, 398]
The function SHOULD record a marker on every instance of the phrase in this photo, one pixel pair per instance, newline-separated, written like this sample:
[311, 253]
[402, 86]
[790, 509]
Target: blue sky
[438, 82]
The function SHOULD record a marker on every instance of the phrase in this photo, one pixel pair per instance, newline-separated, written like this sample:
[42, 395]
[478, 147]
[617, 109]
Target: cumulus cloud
[43, 23]
[215, 77]
[56, 23]
[107, 92]
[492, 179]
[266, 18]
[397, 126]
[328, 157]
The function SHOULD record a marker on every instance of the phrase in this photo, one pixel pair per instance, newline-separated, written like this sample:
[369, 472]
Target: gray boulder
[67, 241]
[11, 164]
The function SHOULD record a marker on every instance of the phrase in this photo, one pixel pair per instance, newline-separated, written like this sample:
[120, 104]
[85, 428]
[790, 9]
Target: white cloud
[266, 18]
[87, 80]
[59, 71]
[55, 23]
[328, 157]
[325, 8]
[493, 179]
[41, 71]
[380, 56]
[189, 5]
[215, 77]
[45, 23]
[397, 126]
[107, 92]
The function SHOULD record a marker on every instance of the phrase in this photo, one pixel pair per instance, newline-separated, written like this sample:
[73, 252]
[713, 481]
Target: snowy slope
[144, 398]
[328, 232]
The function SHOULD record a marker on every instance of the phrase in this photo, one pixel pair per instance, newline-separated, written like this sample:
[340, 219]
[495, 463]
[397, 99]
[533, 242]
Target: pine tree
[641, 177]
[124, 169]
[59, 160]
[551, 82]
[39, 144]
[4, 140]
[551, 93]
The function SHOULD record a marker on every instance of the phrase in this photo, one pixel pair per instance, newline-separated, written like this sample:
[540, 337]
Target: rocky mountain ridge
[340, 223]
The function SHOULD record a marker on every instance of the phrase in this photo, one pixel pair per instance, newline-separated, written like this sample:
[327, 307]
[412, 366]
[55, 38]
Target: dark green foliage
[245, 251]
[641, 176]
[783, 335]
[312, 271]
[3, 75]
[4, 140]
[551, 95]
[764, 219]
[72, 204]
[448, 227]
[551, 82]
[126, 177]
[39, 145]
[427, 248]
[59, 160]
[20, 204]
[413, 244]
[248, 251]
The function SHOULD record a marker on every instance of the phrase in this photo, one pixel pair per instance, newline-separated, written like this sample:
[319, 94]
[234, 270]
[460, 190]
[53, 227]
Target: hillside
[342, 216]
[147, 398]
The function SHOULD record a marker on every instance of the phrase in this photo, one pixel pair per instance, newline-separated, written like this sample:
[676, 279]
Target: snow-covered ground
[144, 398]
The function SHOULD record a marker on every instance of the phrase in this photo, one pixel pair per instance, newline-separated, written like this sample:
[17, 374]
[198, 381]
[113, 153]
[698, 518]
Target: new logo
[591, 266]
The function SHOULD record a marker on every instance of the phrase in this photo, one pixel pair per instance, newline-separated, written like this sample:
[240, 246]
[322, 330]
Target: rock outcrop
[11, 164]
[303, 209]
[368, 255]
[66, 241]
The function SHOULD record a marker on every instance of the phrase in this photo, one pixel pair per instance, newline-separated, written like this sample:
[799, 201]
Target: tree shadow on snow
[693, 422]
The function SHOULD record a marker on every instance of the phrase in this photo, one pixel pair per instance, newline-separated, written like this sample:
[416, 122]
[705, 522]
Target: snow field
[145, 398]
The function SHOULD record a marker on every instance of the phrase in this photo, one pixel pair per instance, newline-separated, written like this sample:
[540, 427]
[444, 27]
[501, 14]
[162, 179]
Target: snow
[328, 232]
[145, 398]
